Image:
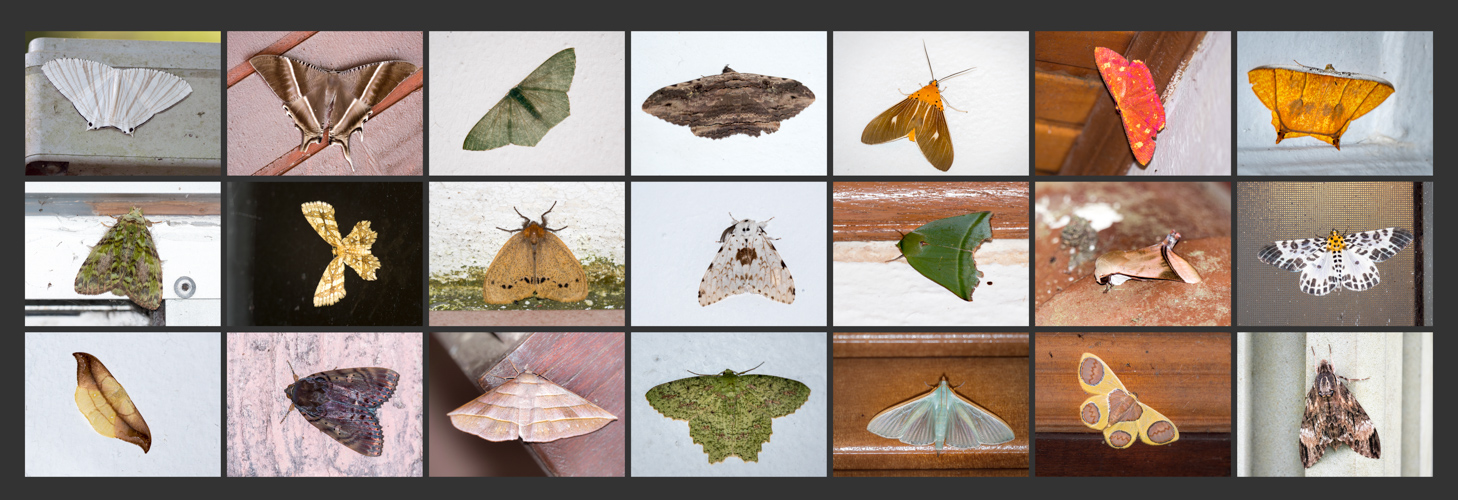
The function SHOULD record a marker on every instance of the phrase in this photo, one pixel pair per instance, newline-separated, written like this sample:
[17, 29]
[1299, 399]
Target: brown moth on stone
[532, 408]
[1156, 262]
[730, 103]
[1334, 417]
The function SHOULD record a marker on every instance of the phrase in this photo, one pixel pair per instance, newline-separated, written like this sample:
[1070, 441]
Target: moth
[730, 103]
[344, 404]
[943, 250]
[353, 250]
[1151, 263]
[530, 407]
[747, 262]
[529, 109]
[1135, 99]
[1345, 259]
[1116, 411]
[329, 106]
[106, 405]
[110, 97]
[918, 118]
[534, 261]
[1334, 417]
[941, 417]
[124, 262]
[730, 413]
[1320, 103]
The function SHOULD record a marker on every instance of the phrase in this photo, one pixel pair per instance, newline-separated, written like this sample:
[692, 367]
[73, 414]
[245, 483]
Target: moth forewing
[110, 97]
[747, 262]
[1157, 262]
[1334, 417]
[941, 417]
[1320, 103]
[530, 407]
[531, 108]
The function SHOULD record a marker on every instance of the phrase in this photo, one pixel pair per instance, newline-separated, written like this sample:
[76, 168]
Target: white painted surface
[875, 70]
[472, 71]
[174, 379]
[662, 446]
[1396, 138]
[676, 228]
[1196, 136]
[874, 292]
[663, 59]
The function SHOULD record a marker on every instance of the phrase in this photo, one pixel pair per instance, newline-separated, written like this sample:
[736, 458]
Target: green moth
[942, 250]
[729, 413]
[941, 417]
[530, 109]
[124, 262]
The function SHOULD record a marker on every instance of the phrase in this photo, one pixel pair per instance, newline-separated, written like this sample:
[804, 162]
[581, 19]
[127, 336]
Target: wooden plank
[876, 211]
[590, 365]
[934, 473]
[1185, 376]
[1195, 454]
[915, 345]
[1063, 98]
[865, 386]
[1053, 142]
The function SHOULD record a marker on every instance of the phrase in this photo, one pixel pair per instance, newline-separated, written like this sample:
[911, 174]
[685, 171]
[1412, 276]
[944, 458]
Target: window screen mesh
[1272, 211]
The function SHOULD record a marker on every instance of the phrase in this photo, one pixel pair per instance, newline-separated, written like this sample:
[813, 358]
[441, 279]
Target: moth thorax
[746, 256]
[1335, 243]
[534, 232]
[1091, 371]
[1325, 380]
[930, 94]
[1123, 407]
[1090, 414]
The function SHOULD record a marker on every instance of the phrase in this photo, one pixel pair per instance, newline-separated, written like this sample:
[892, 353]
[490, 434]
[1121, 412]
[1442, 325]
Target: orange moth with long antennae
[918, 118]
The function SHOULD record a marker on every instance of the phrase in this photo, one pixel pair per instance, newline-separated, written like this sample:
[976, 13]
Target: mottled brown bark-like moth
[1334, 417]
[342, 403]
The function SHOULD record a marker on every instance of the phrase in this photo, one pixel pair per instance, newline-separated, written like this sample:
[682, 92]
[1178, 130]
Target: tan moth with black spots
[747, 262]
[534, 262]
[1345, 259]
[353, 250]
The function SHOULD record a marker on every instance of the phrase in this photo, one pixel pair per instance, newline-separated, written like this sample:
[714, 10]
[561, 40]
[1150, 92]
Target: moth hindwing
[747, 262]
[343, 404]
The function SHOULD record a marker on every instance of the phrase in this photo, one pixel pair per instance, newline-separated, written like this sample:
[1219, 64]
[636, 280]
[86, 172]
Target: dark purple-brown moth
[1155, 262]
[342, 404]
[1334, 417]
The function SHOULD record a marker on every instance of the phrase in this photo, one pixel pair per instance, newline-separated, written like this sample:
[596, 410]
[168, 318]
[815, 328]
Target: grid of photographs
[705, 273]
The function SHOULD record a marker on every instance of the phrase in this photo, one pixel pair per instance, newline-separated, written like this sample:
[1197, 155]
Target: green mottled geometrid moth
[124, 262]
[730, 413]
[942, 250]
[529, 109]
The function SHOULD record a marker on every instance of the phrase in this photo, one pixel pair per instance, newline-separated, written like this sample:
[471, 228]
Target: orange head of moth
[1335, 243]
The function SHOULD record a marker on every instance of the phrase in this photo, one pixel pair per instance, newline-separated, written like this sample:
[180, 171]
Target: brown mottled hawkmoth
[1334, 417]
[342, 404]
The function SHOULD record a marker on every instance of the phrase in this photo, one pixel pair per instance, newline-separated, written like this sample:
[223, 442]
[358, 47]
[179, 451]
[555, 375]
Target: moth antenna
[761, 363]
[699, 374]
[1353, 379]
[286, 413]
[518, 213]
[948, 104]
[731, 217]
[291, 370]
[549, 210]
[928, 61]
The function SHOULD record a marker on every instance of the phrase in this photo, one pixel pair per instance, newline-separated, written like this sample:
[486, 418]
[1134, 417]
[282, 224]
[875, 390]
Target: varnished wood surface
[876, 211]
[865, 386]
[1195, 454]
[923, 345]
[590, 365]
[1185, 376]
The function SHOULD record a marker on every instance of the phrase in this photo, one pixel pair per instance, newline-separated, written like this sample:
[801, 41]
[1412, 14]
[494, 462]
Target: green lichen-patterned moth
[729, 413]
[124, 262]
[941, 417]
[942, 250]
[530, 109]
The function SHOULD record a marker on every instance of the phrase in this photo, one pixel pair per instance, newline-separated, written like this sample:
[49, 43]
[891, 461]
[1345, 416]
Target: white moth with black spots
[747, 262]
[1346, 259]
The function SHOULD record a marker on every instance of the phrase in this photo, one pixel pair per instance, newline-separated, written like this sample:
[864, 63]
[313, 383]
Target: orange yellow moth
[353, 250]
[1138, 104]
[918, 118]
[1118, 412]
[1321, 103]
[534, 261]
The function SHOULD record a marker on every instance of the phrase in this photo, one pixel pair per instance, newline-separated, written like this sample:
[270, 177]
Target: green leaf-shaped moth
[942, 250]
[530, 109]
[729, 413]
[124, 262]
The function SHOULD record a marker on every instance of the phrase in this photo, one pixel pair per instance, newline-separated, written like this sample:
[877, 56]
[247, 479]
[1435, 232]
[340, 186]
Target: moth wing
[1365, 249]
[1155, 428]
[1363, 439]
[1319, 277]
[1096, 377]
[768, 275]
[357, 92]
[722, 279]
[357, 250]
[1313, 442]
[912, 422]
[331, 285]
[364, 387]
[685, 398]
[1121, 434]
[321, 217]
[145, 92]
[971, 425]
[511, 122]
[933, 137]
[894, 123]
[303, 89]
[82, 81]
[1094, 412]
[778, 396]
[1132, 86]
[509, 278]
[1291, 255]
[559, 273]
[354, 427]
